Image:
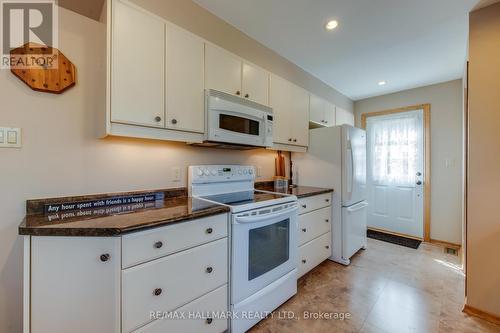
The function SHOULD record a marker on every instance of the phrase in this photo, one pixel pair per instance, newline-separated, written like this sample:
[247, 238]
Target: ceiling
[408, 43]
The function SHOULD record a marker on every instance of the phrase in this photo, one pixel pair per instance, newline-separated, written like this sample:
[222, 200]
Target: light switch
[12, 137]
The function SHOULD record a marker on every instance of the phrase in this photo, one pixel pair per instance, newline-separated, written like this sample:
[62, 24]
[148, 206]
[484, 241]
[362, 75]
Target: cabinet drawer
[155, 243]
[196, 316]
[313, 253]
[316, 202]
[170, 282]
[314, 224]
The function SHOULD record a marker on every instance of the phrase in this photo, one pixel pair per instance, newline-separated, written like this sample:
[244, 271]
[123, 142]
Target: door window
[269, 247]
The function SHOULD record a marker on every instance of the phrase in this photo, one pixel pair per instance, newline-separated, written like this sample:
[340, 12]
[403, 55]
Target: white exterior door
[395, 172]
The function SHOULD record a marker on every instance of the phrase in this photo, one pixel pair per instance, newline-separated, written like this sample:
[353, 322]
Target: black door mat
[398, 240]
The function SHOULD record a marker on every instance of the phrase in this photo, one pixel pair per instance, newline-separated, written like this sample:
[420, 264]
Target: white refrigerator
[336, 158]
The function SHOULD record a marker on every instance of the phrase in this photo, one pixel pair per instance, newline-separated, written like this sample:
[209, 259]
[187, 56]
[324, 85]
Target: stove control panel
[221, 173]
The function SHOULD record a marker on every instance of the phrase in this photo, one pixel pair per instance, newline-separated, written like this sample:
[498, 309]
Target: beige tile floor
[386, 289]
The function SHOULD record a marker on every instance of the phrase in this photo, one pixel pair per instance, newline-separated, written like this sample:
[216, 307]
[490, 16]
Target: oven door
[232, 122]
[264, 248]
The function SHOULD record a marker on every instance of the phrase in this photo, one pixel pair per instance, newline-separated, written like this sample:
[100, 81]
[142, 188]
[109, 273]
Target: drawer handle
[327, 247]
[304, 206]
[157, 292]
[209, 270]
[158, 245]
[209, 230]
[209, 321]
[304, 229]
[105, 257]
[304, 261]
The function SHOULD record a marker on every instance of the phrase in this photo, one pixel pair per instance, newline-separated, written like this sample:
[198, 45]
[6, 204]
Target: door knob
[419, 182]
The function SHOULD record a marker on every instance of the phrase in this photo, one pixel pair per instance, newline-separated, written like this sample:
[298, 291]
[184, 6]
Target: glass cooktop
[243, 198]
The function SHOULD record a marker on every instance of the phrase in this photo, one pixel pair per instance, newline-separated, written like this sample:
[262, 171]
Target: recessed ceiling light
[382, 83]
[331, 25]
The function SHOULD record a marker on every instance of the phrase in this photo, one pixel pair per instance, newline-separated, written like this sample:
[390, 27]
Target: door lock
[419, 182]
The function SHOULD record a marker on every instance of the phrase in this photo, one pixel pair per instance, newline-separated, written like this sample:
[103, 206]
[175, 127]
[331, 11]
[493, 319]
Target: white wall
[446, 145]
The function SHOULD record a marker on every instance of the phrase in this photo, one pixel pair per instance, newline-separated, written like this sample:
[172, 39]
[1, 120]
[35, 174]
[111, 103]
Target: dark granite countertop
[115, 220]
[298, 191]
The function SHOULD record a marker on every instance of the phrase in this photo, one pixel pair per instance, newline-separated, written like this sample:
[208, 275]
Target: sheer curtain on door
[393, 141]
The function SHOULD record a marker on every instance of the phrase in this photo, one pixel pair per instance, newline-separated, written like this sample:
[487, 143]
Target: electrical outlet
[176, 174]
[259, 171]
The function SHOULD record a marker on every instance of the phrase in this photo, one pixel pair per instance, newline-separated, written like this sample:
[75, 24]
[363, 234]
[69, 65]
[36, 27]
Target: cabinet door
[74, 288]
[255, 84]
[300, 116]
[344, 117]
[137, 67]
[279, 99]
[185, 84]
[222, 70]
[329, 114]
[316, 109]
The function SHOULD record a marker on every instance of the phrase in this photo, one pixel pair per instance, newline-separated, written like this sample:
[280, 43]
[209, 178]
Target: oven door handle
[260, 218]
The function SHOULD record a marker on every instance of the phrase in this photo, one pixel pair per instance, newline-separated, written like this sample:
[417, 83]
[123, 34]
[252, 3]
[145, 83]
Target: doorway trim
[427, 156]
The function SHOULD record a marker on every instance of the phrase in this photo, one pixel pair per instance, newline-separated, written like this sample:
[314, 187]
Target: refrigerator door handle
[357, 207]
[350, 170]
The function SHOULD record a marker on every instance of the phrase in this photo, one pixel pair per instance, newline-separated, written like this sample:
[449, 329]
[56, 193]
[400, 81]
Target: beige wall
[196, 19]
[483, 218]
[446, 144]
[61, 155]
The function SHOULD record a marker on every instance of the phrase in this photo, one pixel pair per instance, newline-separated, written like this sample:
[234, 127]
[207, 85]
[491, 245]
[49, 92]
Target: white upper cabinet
[255, 84]
[137, 67]
[321, 112]
[185, 85]
[344, 117]
[291, 112]
[222, 70]
[329, 114]
[230, 74]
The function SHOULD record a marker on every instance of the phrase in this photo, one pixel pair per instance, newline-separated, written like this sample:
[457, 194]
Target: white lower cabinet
[204, 315]
[77, 284]
[168, 283]
[314, 253]
[315, 225]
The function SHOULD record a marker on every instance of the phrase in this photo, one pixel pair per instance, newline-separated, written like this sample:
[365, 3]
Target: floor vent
[450, 250]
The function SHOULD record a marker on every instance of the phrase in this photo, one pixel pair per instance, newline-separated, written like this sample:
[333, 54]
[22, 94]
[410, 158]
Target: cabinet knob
[304, 261]
[327, 200]
[174, 121]
[290, 139]
[238, 92]
[247, 95]
[158, 245]
[304, 206]
[157, 292]
[209, 321]
[327, 220]
[158, 118]
[209, 230]
[105, 257]
[294, 140]
[209, 270]
[327, 247]
[304, 229]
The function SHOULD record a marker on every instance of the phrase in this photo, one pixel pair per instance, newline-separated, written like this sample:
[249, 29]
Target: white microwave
[233, 120]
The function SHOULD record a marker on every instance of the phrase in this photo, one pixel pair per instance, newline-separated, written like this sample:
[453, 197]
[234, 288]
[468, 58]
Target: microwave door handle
[260, 218]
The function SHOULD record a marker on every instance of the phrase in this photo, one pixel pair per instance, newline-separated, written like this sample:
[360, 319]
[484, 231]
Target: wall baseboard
[481, 314]
[446, 244]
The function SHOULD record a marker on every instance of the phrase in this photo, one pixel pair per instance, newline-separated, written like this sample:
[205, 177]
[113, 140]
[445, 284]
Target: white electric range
[263, 239]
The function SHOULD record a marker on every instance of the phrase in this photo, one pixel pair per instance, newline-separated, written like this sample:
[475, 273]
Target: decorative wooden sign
[42, 68]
